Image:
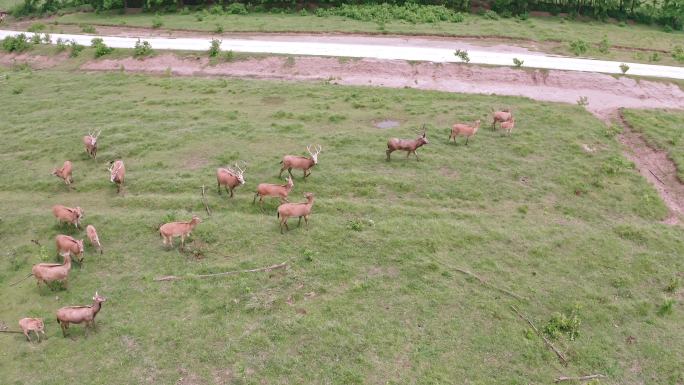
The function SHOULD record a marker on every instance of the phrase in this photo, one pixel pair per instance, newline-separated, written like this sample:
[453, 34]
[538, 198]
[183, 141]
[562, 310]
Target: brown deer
[80, 314]
[64, 173]
[50, 272]
[69, 245]
[500, 117]
[94, 239]
[90, 142]
[288, 210]
[117, 174]
[464, 130]
[408, 145]
[178, 229]
[29, 325]
[508, 126]
[273, 190]
[230, 178]
[68, 214]
[300, 162]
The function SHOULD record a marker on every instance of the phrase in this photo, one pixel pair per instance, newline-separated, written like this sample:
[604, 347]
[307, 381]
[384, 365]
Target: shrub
[236, 9]
[47, 39]
[667, 28]
[199, 16]
[604, 45]
[624, 68]
[655, 56]
[463, 55]
[61, 45]
[579, 47]
[303, 12]
[36, 39]
[75, 48]
[101, 48]
[25, 8]
[229, 56]
[673, 285]
[491, 15]
[216, 10]
[142, 49]
[157, 21]
[215, 48]
[218, 29]
[86, 28]
[561, 324]
[36, 27]
[582, 101]
[517, 62]
[678, 53]
[666, 307]
[383, 13]
[17, 43]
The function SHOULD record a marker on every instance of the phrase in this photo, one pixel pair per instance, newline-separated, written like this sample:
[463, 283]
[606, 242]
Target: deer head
[423, 137]
[98, 298]
[238, 171]
[314, 155]
[93, 137]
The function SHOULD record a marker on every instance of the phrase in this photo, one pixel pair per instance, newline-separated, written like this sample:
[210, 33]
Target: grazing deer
[230, 178]
[80, 314]
[117, 174]
[90, 142]
[288, 210]
[94, 239]
[508, 126]
[273, 190]
[50, 272]
[300, 162]
[408, 145]
[500, 117]
[29, 325]
[64, 173]
[67, 245]
[464, 130]
[178, 229]
[68, 214]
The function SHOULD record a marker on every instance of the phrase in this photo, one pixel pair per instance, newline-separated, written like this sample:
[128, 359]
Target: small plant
[36, 39]
[101, 48]
[666, 307]
[582, 101]
[229, 56]
[678, 53]
[47, 39]
[216, 10]
[36, 27]
[463, 55]
[61, 45]
[579, 47]
[303, 12]
[142, 49]
[290, 61]
[561, 324]
[215, 48]
[86, 28]
[624, 68]
[667, 28]
[236, 9]
[17, 43]
[491, 15]
[218, 29]
[673, 285]
[75, 49]
[199, 16]
[604, 45]
[157, 21]
[517, 62]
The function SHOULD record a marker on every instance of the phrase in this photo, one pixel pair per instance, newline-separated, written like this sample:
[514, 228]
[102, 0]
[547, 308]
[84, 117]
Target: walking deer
[500, 117]
[300, 162]
[273, 190]
[64, 173]
[51, 272]
[508, 126]
[464, 130]
[289, 210]
[230, 178]
[29, 325]
[178, 229]
[408, 145]
[90, 142]
[80, 314]
[69, 245]
[68, 214]
[117, 174]
[94, 238]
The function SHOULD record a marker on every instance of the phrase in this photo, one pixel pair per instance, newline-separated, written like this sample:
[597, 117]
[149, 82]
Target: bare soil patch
[34, 61]
[384, 124]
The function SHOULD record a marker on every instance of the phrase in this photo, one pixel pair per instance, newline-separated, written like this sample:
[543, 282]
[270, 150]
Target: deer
[408, 145]
[465, 130]
[500, 117]
[94, 239]
[288, 210]
[117, 174]
[68, 245]
[64, 173]
[508, 126]
[300, 162]
[90, 142]
[273, 190]
[50, 272]
[178, 229]
[229, 178]
[80, 314]
[68, 214]
[29, 325]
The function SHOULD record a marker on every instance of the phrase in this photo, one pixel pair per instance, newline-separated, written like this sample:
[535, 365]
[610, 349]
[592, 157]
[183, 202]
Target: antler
[98, 134]
[317, 147]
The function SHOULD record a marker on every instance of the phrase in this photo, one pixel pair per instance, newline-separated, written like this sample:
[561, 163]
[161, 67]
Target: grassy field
[372, 294]
[662, 129]
[8, 4]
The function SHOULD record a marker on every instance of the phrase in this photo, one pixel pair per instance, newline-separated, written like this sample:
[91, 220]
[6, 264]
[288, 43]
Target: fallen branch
[204, 200]
[581, 378]
[175, 278]
[11, 331]
[487, 284]
[36, 242]
[656, 176]
[548, 343]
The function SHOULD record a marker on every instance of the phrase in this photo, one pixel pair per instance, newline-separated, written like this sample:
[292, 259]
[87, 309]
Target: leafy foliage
[561, 324]
[215, 48]
[383, 13]
[18, 43]
[101, 48]
[142, 49]
[579, 47]
[463, 55]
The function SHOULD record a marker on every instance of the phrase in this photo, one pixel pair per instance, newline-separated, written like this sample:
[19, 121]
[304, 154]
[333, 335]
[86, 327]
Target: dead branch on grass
[204, 200]
[548, 343]
[487, 284]
[656, 176]
[175, 278]
[581, 378]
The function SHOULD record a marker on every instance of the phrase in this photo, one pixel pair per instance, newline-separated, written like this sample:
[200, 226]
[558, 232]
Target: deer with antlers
[301, 162]
[230, 178]
[178, 229]
[64, 173]
[90, 142]
[117, 174]
[408, 145]
[273, 190]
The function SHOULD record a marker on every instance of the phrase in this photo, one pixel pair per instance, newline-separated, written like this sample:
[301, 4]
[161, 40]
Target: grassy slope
[664, 130]
[387, 303]
[538, 29]
[8, 4]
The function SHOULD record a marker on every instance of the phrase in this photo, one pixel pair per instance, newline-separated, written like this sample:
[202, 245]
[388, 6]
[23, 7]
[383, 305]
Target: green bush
[579, 47]
[517, 62]
[624, 68]
[87, 28]
[142, 49]
[491, 15]
[36, 27]
[61, 45]
[101, 48]
[17, 43]
[678, 53]
[215, 48]
[216, 10]
[604, 45]
[562, 324]
[463, 55]
[75, 49]
[157, 21]
[383, 13]
[218, 29]
[236, 9]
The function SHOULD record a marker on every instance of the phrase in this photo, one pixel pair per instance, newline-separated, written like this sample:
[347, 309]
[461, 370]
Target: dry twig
[487, 284]
[548, 343]
[175, 278]
[204, 200]
[581, 378]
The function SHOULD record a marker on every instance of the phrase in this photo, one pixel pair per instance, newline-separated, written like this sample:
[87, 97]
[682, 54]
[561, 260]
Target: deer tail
[21, 280]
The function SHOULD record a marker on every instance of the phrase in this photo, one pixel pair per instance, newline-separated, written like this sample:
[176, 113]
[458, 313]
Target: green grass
[532, 213]
[8, 4]
[662, 129]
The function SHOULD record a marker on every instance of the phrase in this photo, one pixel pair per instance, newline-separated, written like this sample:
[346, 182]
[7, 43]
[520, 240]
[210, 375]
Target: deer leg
[286, 226]
[388, 152]
[282, 219]
[231, 192]
[306, 221]
[218, 187]
[299, 223]
[255, 195]
[416, 154]
[289, 171]
[467, 137]
[26, 333]
[182, 241]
